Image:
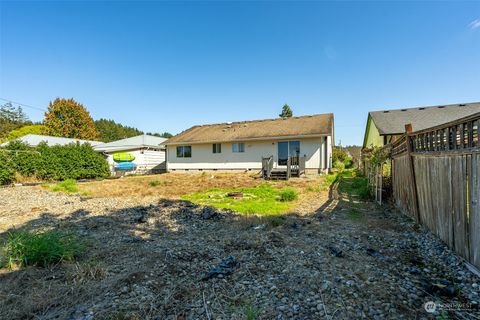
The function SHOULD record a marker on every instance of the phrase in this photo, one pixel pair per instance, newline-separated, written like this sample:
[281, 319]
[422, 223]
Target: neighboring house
[385, 126]
[140, 154]
[34, 140]
[242, 145]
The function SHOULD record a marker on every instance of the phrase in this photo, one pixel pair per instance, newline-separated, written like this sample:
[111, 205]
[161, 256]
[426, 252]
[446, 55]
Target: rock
[81, 313]
[208, 212]
[336, 252]
[225, 267]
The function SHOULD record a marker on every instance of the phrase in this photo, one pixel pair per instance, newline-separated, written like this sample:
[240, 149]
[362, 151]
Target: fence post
[408, 140]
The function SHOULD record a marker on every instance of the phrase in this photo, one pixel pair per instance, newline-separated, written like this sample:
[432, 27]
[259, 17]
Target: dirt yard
[153, 256]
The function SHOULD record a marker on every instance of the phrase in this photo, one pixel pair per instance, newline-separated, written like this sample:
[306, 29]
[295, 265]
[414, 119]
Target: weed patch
[155, 183]
[355, 184]
[24, 248]
[263, 199]
[251, 312]
[288, 194]
[328, 180]
[354, 215]
[86, 271]
[67, 186]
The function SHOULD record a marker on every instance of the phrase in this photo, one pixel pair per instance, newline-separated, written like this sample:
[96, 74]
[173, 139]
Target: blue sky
[165, 66]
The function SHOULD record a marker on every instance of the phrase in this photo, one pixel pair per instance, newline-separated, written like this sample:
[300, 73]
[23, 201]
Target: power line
[24, 105]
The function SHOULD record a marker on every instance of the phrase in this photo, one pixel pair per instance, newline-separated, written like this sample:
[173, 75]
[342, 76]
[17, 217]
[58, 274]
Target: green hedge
[73, 161]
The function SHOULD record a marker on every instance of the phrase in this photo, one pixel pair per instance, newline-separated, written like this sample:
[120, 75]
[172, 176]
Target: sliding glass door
[287, 149]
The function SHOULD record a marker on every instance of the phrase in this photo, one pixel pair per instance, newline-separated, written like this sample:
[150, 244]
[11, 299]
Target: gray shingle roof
[136, 142]
[35, 139]
[393, 121]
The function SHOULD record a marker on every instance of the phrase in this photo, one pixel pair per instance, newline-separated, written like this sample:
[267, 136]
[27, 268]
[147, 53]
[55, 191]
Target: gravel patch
[171, 259]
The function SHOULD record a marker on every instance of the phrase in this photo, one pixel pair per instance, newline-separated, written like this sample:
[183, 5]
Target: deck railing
[295, 167]
[267, 167]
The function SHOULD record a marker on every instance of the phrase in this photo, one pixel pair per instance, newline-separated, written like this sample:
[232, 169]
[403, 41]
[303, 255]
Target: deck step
[278, 175]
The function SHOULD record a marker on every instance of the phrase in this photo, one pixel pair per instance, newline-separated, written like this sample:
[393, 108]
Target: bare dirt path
[150, 259]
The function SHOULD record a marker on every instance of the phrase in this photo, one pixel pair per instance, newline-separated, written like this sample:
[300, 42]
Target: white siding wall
[204, 158]
[146, 160]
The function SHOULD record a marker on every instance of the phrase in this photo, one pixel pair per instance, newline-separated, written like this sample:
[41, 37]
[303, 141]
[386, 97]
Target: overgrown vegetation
[288, 194]
[341, 159]
[42, 249]
[155, 183]
[11, 118]
[73, 161]
[354, 183]
[67, 186]
[28, 129]
[251, 312]
[328, 180]
[262, 199]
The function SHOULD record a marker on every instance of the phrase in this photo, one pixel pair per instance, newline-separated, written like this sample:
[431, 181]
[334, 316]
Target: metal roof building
[34, 140]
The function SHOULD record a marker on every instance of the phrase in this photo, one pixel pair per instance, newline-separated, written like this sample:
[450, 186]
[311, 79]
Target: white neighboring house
[242, 145]
[34, 140]
[148, 151]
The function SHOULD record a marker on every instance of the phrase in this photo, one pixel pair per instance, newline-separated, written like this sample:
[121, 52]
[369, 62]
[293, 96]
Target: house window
[184, 152]
[238, 147]
[217, 148]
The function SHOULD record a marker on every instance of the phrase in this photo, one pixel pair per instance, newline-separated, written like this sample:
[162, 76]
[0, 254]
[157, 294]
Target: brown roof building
[242, 145]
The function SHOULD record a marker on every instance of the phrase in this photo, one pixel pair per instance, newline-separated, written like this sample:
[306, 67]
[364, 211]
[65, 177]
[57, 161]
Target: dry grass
[176, 185]
[169, 185]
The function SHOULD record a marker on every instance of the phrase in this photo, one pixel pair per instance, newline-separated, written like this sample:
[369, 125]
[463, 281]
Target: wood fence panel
[421, 178]
[459, 201]
[402, 184]
[446, 171]
[441, 189]
[474, 218]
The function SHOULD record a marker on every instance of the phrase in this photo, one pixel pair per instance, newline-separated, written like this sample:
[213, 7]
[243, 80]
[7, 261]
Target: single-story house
[242, 145]
[385, 126]
[34, 140]
[139, 154]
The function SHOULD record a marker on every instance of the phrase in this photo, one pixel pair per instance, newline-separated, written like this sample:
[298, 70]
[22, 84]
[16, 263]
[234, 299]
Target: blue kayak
[125, 166]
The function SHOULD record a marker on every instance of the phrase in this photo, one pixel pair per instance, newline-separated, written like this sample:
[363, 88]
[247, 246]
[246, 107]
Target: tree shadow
[134, 255]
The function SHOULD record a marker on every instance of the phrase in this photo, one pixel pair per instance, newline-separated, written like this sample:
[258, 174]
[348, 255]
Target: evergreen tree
[11, 118]
[109, 130]
[286, 111]
[162, 135]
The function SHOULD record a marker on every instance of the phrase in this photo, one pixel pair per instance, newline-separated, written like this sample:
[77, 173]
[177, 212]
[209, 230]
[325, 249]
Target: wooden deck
[295, 168]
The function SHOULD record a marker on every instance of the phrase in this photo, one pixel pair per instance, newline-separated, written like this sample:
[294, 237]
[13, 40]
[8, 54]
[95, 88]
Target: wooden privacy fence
[436, 180]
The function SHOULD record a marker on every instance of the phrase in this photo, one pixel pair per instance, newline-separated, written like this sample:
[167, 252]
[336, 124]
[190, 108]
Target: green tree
[286, 111]
[30, 129]
[109, 130]
[68, 118]
[162, 135]
[11, 118]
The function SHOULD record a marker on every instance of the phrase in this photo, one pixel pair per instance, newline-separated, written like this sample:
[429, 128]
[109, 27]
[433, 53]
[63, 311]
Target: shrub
[342, 158]
[7, 174]
[155, 183]
[340, 166]
[24, 248]
[73, 161]
[67, 186]
[288, 194]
